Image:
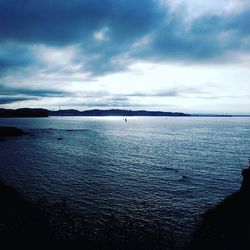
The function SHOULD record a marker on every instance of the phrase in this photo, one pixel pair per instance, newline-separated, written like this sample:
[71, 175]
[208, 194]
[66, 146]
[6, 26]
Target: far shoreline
[39, 113]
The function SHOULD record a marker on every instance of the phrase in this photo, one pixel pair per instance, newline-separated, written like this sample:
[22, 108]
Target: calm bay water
[104, 166]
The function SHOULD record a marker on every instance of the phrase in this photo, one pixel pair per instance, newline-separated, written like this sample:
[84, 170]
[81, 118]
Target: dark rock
[245, 185]
[10, 131]
[227, 225]
[19, 219]
[23, 220]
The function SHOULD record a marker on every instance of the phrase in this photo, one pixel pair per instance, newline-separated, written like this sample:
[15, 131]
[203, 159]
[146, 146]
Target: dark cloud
[124, 97]
[14, 55]
[100, 94]
[10, 95]
[240, 23]
[108, 99]
[174, 92]
[8, 100]
[110, 104]
[63, 23]
[12, 91]
[207, 39]
[160, 93]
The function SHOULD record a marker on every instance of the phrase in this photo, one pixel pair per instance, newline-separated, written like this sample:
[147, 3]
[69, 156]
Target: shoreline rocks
[10, 131]
[227, 225]
[245, 185]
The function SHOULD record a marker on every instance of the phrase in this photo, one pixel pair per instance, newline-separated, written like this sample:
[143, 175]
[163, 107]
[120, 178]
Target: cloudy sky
[171, 55]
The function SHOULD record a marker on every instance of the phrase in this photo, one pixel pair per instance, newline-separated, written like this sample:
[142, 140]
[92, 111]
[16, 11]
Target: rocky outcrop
[20, 220]
[10, 131]
[245, 185]
[226, 226]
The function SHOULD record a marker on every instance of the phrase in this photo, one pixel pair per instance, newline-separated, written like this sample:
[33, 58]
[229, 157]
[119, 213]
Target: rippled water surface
[104, 166]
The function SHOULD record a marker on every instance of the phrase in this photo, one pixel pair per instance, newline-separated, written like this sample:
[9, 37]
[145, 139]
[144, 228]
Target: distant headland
[24, 112]
[39, 112]
[27, 112]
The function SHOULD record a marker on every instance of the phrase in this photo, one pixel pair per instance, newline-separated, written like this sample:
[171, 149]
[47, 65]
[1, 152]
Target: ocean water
[104, 166]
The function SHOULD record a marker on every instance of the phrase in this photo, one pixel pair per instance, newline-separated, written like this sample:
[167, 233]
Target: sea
[170, 169]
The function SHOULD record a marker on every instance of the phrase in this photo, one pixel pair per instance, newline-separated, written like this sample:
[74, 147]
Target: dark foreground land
[23, 220]
[226, 226]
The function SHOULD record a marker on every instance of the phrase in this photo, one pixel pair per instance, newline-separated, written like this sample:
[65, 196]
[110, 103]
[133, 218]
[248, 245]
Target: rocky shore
[227, 225]
[23, 220]
[10, 131]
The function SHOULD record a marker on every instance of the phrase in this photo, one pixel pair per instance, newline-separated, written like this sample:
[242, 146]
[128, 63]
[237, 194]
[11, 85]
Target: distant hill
[214, 115]
[114, 112]
[26, 112]
[39, 112]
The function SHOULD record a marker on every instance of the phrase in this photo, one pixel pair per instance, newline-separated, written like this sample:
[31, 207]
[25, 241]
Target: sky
[172, 55]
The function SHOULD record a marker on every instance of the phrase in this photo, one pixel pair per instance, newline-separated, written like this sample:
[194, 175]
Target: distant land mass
[24, 112]
[114, 112]
[39, 112]
[27, 112]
